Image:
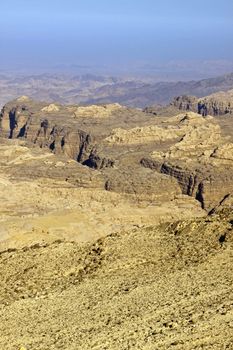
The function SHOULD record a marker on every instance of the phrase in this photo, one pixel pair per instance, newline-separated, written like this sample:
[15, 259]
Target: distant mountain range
[161, 93]
[96, 89]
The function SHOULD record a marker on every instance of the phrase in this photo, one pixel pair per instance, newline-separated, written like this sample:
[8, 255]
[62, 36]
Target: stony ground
[165, 287]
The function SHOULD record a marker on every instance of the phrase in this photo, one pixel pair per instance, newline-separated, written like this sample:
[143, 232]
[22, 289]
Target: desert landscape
[116, 225]
[116, 175]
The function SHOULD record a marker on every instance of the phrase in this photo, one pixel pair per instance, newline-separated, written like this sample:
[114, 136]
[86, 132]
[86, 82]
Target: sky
[114, 32]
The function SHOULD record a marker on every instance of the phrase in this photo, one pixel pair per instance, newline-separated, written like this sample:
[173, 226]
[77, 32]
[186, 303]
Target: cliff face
[201, 160]
[42, 127]
[217, 104]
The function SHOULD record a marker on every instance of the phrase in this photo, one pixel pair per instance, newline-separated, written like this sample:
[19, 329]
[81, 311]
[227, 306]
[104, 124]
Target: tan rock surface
[170, 129]
[141, 135]
[216, 104]
[23, 98]
[50, 108]
[95, 111]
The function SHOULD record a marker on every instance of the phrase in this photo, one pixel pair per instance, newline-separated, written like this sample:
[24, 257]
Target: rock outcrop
[95, 111]
[201, 160]
[142, 135]
[217, 104]
[38, 128]
[50, 108]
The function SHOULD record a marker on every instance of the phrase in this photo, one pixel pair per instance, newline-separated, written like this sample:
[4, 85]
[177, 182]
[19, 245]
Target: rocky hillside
[168, 286]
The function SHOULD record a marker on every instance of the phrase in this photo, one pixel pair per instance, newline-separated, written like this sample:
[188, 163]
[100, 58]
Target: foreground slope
[164, 287]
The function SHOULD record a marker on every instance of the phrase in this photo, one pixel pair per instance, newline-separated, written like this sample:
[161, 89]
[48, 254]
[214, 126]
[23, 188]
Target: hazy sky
[45, 32]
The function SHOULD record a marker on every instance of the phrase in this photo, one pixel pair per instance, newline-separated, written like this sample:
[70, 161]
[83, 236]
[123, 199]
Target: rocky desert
[117, 225]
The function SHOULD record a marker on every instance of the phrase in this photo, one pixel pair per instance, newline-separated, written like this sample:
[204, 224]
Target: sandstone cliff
[201, 160]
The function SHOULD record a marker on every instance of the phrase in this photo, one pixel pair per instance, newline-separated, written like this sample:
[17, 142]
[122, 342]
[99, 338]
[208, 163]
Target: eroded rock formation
[217, 104]
[201, 160]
